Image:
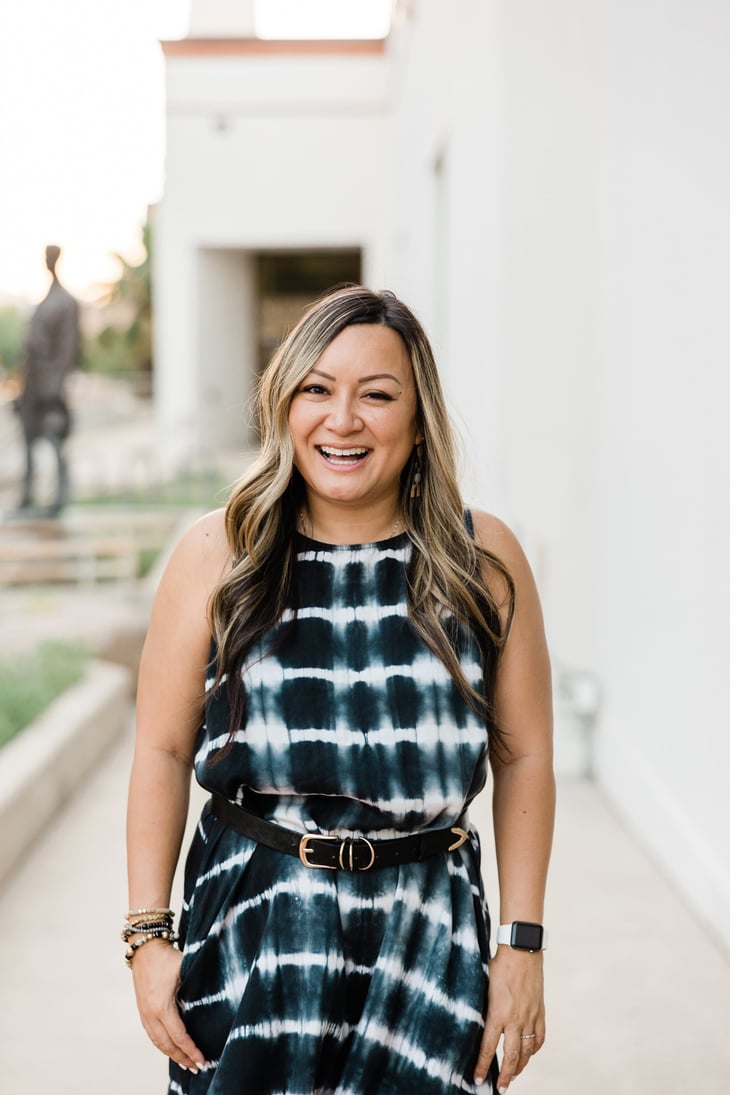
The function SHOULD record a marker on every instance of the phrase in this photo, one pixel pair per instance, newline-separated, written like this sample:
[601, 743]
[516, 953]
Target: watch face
[526, 937]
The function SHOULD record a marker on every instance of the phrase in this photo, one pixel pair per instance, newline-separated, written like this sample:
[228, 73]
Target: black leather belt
[349, 853]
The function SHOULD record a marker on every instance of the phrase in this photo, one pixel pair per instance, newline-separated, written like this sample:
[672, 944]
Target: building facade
[547, 186]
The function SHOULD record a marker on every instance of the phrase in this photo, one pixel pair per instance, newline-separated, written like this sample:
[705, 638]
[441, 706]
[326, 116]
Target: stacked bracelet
[154, 911]
[143, 925]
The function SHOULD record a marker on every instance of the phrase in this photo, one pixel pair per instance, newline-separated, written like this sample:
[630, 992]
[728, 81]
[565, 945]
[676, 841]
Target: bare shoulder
[499, 539]
[198, 561]
[177, 648]
[493, 534]
[205, 544]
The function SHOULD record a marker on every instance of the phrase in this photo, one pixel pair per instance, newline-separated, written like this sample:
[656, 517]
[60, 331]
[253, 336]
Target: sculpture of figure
[51, 352]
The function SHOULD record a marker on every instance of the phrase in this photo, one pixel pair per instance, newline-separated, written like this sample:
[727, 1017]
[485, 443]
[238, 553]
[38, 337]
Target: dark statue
[51, 352]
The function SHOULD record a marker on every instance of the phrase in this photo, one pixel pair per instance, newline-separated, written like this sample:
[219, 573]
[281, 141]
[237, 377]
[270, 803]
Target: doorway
[288, 281]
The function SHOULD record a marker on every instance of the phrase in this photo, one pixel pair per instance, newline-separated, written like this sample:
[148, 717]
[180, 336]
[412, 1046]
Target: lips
[344, 457]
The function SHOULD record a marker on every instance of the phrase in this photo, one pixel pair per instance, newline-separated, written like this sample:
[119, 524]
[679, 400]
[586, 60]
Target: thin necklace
[304, 520]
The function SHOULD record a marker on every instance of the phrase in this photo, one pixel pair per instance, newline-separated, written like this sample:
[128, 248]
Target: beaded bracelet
[143, 925]
[170, 937]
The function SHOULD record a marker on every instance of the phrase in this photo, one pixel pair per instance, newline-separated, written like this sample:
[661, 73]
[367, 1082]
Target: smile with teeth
[342, 457]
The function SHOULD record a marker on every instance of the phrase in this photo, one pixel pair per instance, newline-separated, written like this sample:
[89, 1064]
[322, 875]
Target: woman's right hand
[156, 972]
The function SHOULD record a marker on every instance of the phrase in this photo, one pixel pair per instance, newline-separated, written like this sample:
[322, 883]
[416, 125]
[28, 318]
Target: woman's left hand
[516, 1011]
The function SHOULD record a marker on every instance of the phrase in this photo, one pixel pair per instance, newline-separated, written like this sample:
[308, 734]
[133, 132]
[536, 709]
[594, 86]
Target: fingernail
[502, 1090]
[194, 1071]
[479, 1080]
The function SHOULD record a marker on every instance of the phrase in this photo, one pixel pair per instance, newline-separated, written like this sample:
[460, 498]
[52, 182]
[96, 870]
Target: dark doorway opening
[288, 281]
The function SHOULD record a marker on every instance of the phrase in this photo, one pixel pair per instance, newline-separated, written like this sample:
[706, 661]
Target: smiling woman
[353, 426]
[338, 656]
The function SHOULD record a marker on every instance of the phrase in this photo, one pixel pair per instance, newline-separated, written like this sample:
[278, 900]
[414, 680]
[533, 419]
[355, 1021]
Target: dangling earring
[416, 480]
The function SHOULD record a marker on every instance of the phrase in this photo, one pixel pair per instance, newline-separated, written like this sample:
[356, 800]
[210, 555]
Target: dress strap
[469, 521]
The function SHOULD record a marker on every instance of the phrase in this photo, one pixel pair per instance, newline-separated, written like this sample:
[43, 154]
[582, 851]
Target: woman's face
[353, 418]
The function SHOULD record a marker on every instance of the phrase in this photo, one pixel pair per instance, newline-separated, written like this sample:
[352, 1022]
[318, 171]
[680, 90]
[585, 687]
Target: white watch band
[504, 936]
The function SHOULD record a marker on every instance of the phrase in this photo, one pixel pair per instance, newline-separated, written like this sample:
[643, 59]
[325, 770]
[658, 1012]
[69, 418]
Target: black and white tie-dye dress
[304, 981]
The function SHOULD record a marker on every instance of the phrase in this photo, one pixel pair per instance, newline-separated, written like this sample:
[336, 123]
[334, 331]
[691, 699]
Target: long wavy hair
[446, 575]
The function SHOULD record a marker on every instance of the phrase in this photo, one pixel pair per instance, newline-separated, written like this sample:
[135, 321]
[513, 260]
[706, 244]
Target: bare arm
[523, 811]
[169, 710]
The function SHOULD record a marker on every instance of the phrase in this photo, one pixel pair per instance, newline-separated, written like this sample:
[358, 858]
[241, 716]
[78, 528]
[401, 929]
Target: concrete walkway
[638, 994]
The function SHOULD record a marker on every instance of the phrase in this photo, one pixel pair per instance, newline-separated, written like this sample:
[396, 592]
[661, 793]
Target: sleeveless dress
[315, 982]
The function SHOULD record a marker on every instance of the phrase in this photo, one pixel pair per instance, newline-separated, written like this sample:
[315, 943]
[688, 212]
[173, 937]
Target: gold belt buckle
[346, 850]
[305, 851]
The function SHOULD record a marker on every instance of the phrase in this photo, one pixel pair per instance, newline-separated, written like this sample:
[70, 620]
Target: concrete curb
[42, 767]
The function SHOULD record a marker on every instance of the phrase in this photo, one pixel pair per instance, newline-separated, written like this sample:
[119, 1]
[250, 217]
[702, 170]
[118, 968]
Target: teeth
[342, 452]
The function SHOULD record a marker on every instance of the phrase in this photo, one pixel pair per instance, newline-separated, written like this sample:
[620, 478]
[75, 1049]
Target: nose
[343, 418]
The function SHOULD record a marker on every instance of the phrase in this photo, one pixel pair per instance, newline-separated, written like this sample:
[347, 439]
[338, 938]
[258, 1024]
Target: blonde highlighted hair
[446, 575]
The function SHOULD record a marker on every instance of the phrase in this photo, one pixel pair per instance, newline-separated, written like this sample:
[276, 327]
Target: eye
[313, 389]
[379, 397]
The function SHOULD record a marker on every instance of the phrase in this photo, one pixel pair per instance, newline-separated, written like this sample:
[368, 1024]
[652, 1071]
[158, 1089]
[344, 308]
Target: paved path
[638, 994]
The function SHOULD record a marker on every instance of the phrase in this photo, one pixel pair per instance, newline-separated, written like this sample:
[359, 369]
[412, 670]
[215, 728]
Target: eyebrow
[363, 379]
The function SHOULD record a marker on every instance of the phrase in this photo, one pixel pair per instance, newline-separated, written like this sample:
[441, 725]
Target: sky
[82, 125]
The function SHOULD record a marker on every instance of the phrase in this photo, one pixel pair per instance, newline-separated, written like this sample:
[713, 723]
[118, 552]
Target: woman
[373, 644]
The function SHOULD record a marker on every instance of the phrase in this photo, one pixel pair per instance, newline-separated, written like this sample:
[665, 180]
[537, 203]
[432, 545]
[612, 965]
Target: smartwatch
[523, 936]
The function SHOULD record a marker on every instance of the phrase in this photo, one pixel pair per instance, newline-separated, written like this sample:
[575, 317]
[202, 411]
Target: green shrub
[207, 489]
[30, 682]
[146, 560]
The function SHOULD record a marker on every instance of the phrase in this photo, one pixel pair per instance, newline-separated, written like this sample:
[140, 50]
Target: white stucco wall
[577, 297]
[212, 18]
[663, 594]
[547, 287]
[226, 350]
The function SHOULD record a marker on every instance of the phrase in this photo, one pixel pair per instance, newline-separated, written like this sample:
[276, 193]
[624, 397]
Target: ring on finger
[524, 1037]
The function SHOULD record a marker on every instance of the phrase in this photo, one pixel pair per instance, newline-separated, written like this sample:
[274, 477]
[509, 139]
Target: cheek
[297, 424]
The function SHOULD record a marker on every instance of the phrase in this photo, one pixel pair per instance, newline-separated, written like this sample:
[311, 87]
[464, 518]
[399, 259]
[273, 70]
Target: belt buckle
[345, 857]
[305, 851]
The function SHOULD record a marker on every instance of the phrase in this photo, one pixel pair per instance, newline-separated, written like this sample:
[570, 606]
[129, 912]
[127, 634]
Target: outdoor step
[87, 550]
[75, 559]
